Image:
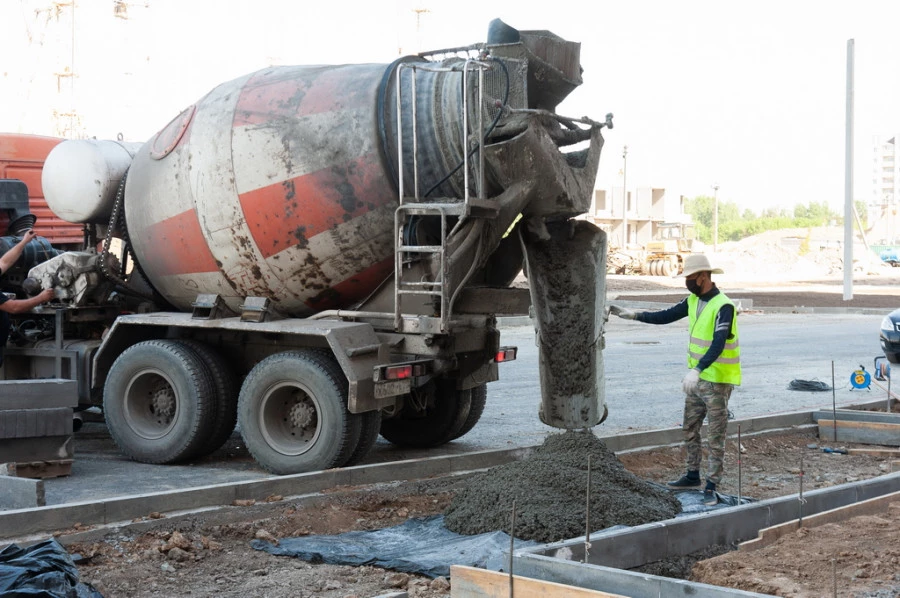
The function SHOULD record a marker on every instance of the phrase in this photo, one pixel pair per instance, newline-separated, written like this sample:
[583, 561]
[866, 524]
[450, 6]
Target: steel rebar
[739, 463]
[800, 500]
[833, 404]
[587, 514]
[512, 544]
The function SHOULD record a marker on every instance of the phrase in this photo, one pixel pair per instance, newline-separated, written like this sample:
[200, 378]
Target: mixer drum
[279, 184]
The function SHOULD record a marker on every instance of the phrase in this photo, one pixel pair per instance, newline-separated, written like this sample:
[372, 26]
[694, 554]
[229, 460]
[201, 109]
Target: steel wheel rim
[150, 405]
[290, 418]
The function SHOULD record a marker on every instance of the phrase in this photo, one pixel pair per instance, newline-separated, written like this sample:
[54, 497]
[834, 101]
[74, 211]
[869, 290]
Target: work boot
[689, 480]
[710, 498]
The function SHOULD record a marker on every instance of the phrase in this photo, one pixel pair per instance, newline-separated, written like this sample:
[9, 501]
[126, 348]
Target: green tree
[863, 213]
[734, 225]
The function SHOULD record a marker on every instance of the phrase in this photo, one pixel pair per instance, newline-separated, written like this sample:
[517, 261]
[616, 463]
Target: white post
[848, 180]
[715, 218]
[625, 197]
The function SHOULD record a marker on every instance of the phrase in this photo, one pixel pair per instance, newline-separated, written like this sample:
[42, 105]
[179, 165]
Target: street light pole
[625, 197]
[715, 218]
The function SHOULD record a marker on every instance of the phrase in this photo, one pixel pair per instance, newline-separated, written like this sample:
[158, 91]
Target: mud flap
[566, 268]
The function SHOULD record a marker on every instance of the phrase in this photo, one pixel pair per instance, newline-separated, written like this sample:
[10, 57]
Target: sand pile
[549, 487]
[797, 254]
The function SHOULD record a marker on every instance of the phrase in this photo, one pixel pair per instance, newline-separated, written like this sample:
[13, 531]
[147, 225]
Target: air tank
[283, 184]
[81, 178]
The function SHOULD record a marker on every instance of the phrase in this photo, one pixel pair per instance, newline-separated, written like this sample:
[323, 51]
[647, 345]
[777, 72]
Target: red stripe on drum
[179, 247]
[292, 92]
[292, 212]
[354, 288]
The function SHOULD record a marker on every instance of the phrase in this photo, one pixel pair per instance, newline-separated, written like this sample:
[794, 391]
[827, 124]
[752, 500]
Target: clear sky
[747, 95]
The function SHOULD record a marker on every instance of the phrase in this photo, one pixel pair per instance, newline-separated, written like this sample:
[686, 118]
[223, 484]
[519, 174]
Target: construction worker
[714, 364]
[11, 305]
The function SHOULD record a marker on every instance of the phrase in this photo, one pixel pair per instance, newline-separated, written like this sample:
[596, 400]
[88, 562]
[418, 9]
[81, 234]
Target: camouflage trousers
[710, 399]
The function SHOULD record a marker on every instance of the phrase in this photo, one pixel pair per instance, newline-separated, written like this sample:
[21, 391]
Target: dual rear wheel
[169, 401]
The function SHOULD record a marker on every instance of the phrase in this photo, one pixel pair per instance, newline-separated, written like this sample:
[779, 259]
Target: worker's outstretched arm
[9, 259]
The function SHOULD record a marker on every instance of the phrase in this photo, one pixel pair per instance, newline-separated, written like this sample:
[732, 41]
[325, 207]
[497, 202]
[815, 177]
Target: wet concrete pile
[549, 488]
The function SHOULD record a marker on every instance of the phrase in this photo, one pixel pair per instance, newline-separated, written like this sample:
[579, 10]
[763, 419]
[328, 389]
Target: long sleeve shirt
[680, 310]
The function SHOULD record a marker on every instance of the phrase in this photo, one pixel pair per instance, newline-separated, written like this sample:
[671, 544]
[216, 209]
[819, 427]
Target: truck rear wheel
[476, 408]
[430, 417]
[226, 394]
[368, 435]
[159, 402]
[292, 412]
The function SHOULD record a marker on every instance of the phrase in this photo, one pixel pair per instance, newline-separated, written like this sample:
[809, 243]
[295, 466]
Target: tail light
[505, 354]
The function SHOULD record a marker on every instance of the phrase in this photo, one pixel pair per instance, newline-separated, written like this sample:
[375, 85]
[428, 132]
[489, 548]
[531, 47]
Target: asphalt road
[644, 365]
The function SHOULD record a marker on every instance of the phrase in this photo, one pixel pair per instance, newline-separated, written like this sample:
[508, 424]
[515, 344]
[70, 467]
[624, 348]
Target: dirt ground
[859, 557]
[194, 558]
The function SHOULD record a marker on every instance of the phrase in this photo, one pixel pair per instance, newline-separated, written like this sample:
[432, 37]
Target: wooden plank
[860, 431]
[38, 394]
[41, 470]
[873, 506]
[470, 582]
[858, 415]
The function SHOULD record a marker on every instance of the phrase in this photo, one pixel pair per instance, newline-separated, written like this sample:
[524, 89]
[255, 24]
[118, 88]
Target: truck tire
[476, 408]
[292, 412]
[159, 402]
[368, 435]
[442, 413]
[226, 389]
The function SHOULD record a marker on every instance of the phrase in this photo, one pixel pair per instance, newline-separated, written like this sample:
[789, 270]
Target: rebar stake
[512, 545]
[587, 515]
[800, 500]
[887, 409]
[739, 464]
[834, 577]
[833, 404]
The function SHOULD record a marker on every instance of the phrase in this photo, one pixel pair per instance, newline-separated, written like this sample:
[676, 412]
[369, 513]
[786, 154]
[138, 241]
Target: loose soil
[859, 556]
[197, 558]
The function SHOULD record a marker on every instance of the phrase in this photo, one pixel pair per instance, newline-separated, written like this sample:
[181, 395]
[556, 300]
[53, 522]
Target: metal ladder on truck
[443, 208]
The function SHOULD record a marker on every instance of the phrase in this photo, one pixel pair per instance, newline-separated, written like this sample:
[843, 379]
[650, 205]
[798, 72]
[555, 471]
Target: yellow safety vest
[726, 369]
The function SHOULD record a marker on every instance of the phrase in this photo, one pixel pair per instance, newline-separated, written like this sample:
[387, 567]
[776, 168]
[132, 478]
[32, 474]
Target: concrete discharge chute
[337, 238]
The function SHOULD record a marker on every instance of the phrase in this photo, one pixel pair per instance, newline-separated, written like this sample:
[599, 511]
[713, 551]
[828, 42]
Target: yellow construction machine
[672, 242]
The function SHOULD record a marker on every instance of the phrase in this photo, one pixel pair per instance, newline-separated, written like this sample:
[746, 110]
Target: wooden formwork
[470, 582]
[856, 425]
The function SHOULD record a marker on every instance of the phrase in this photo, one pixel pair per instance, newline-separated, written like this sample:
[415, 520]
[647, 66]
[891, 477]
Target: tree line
[735, 225]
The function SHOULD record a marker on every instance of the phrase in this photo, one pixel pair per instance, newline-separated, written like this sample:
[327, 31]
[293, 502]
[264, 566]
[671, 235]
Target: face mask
[693, 286]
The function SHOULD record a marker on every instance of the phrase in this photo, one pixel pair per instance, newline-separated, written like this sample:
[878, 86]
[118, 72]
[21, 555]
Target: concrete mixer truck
[318, 254]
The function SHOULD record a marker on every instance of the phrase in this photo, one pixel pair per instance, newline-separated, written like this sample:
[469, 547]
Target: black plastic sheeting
[44, 570]
[692, 502]
[423, 546]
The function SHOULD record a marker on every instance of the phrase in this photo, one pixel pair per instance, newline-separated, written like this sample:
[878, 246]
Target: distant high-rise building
[883, 223]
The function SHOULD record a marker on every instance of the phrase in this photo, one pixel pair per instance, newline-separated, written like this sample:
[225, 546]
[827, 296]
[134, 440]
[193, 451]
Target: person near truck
[714, 368]
[16, 306]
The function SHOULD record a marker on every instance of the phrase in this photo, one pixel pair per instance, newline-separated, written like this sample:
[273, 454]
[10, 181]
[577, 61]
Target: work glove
[690, 382]
[626, 314]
